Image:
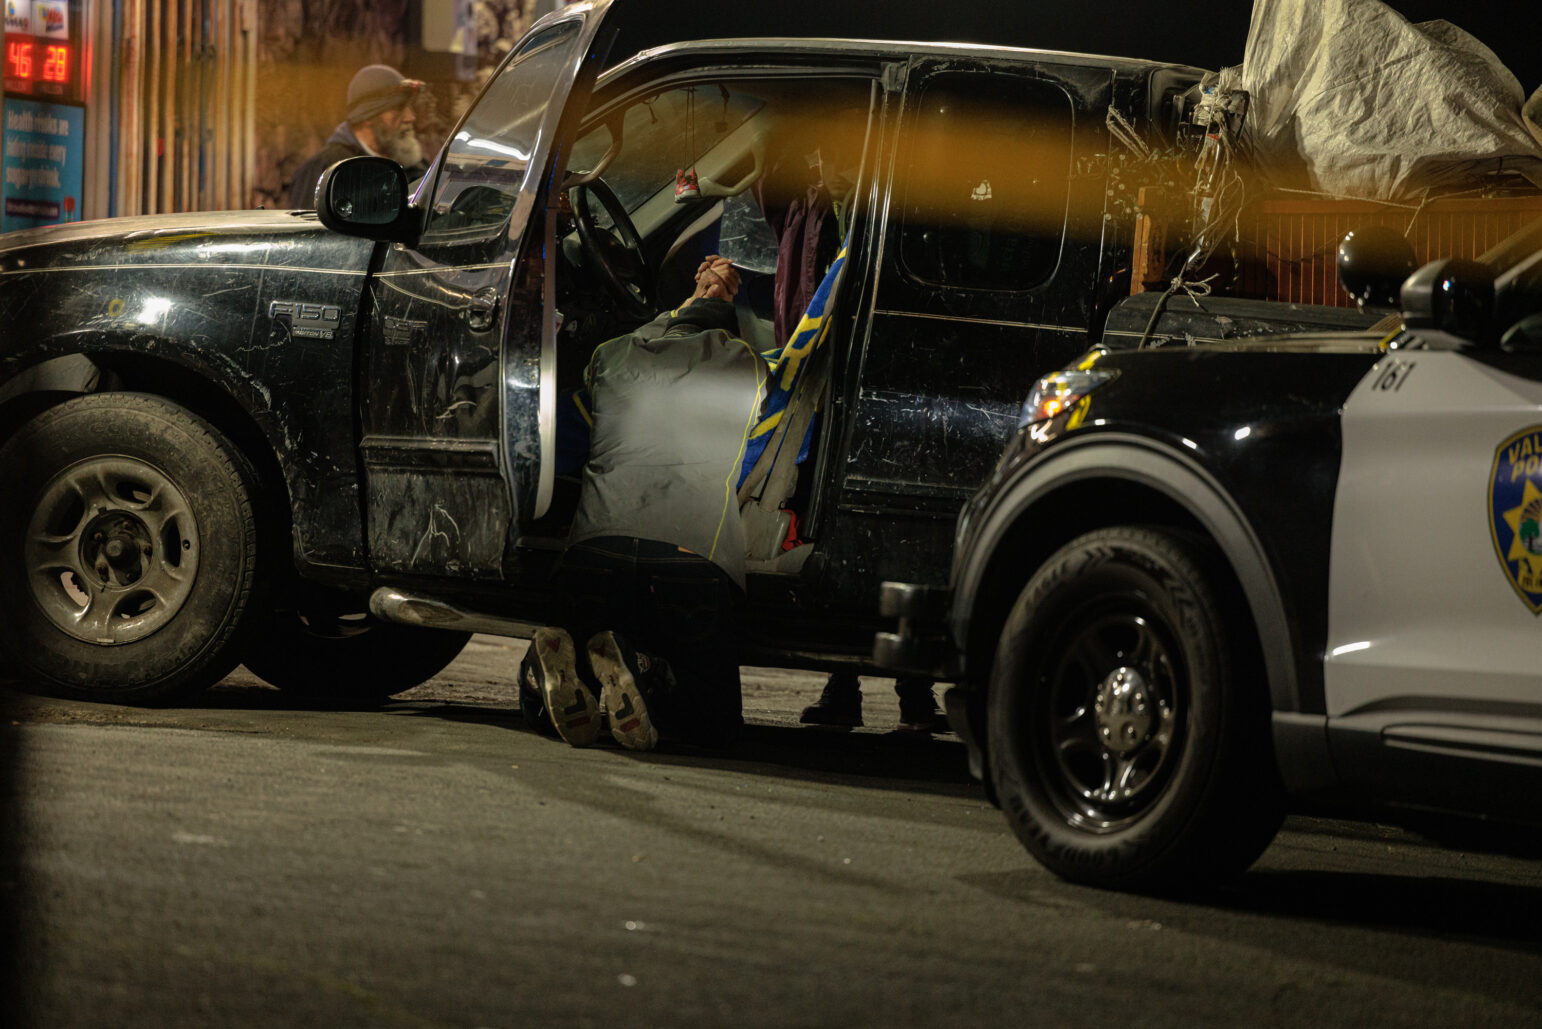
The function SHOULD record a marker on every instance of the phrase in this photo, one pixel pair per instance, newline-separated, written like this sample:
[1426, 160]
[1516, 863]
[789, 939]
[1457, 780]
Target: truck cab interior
[776, 161]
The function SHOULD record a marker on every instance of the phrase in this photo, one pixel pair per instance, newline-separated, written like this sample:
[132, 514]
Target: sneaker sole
[629, 721]
[572, 708]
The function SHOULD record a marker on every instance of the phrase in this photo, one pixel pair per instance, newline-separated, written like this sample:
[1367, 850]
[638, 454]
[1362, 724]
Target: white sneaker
[571, 706]
[616, 665]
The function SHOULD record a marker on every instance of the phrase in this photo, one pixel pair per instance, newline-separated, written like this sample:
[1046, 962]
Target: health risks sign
[44, 165]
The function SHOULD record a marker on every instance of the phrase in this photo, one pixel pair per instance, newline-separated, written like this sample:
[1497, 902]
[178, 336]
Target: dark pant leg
[597, 589]
[693, 618]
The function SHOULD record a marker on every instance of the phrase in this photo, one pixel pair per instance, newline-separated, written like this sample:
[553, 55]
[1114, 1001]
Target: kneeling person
[652, 583]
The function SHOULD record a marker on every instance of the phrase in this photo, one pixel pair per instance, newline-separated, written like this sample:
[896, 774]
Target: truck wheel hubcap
[111, 550]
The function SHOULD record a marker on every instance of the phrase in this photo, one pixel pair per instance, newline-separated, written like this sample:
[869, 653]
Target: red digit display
[18, 58]
[56, 64]
[40, 67]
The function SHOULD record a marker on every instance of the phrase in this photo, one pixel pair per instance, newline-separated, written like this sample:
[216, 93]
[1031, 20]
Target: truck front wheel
[128, 549]
[1126, 747]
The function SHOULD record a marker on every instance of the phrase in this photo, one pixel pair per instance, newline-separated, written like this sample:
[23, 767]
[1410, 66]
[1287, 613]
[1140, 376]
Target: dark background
[1207, 34]
[10, 907]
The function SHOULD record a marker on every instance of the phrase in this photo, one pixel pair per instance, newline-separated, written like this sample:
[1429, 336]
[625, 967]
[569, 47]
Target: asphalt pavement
[243, 862]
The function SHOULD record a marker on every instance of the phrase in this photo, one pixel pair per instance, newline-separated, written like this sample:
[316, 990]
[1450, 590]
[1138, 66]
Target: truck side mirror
[366, 196]
[1453, 296]
[1372, 263]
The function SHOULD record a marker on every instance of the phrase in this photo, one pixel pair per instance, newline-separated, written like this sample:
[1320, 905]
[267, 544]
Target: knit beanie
[378, 88]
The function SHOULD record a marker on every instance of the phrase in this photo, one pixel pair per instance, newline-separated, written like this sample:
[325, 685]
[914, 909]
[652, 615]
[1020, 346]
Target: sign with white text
[44, 164]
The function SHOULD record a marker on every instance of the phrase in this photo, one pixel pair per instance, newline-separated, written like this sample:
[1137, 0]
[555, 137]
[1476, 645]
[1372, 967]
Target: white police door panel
[1435, 591]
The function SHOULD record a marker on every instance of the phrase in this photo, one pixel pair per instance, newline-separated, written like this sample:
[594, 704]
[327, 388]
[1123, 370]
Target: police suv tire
[330, 661]
[128, 550]
[1129, 742]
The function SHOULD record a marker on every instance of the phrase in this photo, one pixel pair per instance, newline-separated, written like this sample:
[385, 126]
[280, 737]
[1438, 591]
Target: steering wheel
[615, 255]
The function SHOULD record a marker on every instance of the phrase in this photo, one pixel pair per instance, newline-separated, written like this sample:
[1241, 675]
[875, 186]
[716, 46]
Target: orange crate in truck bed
[1287, 247]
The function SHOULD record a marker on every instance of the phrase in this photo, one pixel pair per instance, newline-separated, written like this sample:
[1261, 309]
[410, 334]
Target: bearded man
[380, 122]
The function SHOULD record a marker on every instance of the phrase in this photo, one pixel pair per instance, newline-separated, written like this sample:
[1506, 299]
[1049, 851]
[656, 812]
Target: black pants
[670, 604]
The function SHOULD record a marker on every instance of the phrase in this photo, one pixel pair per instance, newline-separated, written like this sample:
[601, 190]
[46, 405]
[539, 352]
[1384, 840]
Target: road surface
[242, 863]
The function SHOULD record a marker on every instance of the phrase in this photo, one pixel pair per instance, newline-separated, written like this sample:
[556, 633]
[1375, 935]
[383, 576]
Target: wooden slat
[227, 65]
[201, 180]
[1289, 247]
[187, 188]
[215, 156]
[151, 194]
[249, 150]
[168, 159]
[130, 130]
[99, 198]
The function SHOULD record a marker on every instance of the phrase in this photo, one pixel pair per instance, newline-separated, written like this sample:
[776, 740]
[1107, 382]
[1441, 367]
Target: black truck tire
[1124, 748]
[128, 550]
[351, 662]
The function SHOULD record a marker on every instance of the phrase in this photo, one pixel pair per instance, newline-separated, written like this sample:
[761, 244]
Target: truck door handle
[482, 310]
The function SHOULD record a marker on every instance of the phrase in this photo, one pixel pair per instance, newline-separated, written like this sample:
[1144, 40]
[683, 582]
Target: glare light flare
[153, 311]
[497, 148]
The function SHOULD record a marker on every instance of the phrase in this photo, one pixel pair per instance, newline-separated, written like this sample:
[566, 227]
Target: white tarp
[1377, 107]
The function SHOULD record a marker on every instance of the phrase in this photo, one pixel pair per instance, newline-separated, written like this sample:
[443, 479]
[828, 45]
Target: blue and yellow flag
[787, 363]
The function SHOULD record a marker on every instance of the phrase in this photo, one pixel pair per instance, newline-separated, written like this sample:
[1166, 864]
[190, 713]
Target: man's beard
[401, 145]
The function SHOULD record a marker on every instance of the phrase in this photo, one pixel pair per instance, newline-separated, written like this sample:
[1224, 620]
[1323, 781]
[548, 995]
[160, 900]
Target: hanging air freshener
[686, 186]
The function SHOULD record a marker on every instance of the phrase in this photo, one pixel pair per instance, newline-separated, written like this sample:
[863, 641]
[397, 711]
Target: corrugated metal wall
[171, 106]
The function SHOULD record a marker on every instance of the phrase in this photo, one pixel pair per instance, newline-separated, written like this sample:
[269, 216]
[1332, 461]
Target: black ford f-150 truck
[324, 443]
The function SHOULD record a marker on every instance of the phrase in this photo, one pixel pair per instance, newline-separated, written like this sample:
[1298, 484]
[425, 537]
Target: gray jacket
[671, 415]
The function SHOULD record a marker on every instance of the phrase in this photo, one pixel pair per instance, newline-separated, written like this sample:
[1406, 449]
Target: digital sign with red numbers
[41, 51]
[29, 62]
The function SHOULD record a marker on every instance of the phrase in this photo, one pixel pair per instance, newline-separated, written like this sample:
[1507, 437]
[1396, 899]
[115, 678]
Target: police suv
[1206, 579]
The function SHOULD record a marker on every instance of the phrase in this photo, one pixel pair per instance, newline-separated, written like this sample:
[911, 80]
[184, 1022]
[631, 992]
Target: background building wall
[211, 104]
[174, 103]
[308, 52]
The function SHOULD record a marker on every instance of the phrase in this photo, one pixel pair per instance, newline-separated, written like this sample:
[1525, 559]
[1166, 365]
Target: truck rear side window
[986, 167]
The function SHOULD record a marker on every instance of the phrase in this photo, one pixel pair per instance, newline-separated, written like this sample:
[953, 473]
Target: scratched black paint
[139, 295]
[408, 443]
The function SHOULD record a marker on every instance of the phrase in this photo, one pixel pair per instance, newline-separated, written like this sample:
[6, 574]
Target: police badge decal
[1515, 513]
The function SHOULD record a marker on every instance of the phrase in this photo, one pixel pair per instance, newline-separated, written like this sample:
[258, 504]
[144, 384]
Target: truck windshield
[486, 161]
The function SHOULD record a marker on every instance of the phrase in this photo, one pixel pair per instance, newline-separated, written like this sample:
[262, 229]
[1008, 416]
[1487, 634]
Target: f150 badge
[1515, 513]
[310, 321]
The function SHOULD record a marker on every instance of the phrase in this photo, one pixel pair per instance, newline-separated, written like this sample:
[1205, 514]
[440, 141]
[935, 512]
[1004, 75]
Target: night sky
[1209, 34]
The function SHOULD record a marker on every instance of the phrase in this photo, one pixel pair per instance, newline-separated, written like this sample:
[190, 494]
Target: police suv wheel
[128, 549]
[327, 658]
[1128, 747]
